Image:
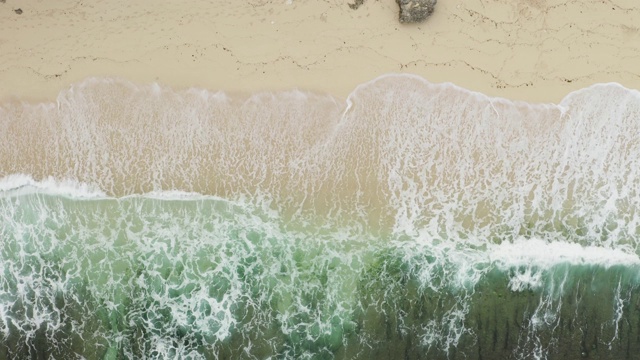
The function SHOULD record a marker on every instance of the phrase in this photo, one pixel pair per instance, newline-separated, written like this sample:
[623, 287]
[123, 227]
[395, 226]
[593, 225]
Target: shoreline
[343, 101]
[534, 52]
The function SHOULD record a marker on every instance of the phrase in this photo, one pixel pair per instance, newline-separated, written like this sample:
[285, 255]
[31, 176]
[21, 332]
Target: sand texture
[534, 50]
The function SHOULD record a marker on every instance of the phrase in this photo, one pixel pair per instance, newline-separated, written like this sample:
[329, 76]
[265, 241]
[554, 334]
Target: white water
[404, 180]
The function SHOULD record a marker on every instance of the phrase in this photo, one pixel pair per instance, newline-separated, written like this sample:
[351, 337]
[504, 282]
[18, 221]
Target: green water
[198, 278]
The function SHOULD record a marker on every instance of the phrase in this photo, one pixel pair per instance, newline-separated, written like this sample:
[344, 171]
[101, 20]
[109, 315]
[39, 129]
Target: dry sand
[535, 50]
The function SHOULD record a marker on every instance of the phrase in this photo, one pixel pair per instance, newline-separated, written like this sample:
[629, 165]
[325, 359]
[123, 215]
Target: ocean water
[411, 221]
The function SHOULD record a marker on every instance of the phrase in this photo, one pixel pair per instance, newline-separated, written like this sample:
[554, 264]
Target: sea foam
[413, 218]
[16, 184]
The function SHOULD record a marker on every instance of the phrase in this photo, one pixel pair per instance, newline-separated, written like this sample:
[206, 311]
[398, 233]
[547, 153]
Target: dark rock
[415, 10]
[18, 11]
[356, 4]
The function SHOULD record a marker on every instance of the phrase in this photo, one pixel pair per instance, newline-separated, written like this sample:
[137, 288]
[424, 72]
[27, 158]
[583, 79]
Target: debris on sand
[412, 11]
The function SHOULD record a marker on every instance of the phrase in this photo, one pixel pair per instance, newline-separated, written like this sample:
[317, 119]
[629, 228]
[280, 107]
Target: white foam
[420, 155]
[542, 254]
[175, 195]
[21, 184]
[17, 184]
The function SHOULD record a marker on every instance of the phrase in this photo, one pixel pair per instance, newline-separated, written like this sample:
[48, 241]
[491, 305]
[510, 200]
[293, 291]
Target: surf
[410, 218]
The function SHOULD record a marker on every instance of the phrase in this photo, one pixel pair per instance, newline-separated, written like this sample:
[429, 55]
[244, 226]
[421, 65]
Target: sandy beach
[533, 50]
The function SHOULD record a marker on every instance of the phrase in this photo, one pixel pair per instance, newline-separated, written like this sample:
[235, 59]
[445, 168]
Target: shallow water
[414, 220]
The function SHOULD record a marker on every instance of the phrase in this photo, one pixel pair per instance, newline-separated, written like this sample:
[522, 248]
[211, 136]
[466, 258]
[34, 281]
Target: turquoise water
[415, 221]
[143, 277]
